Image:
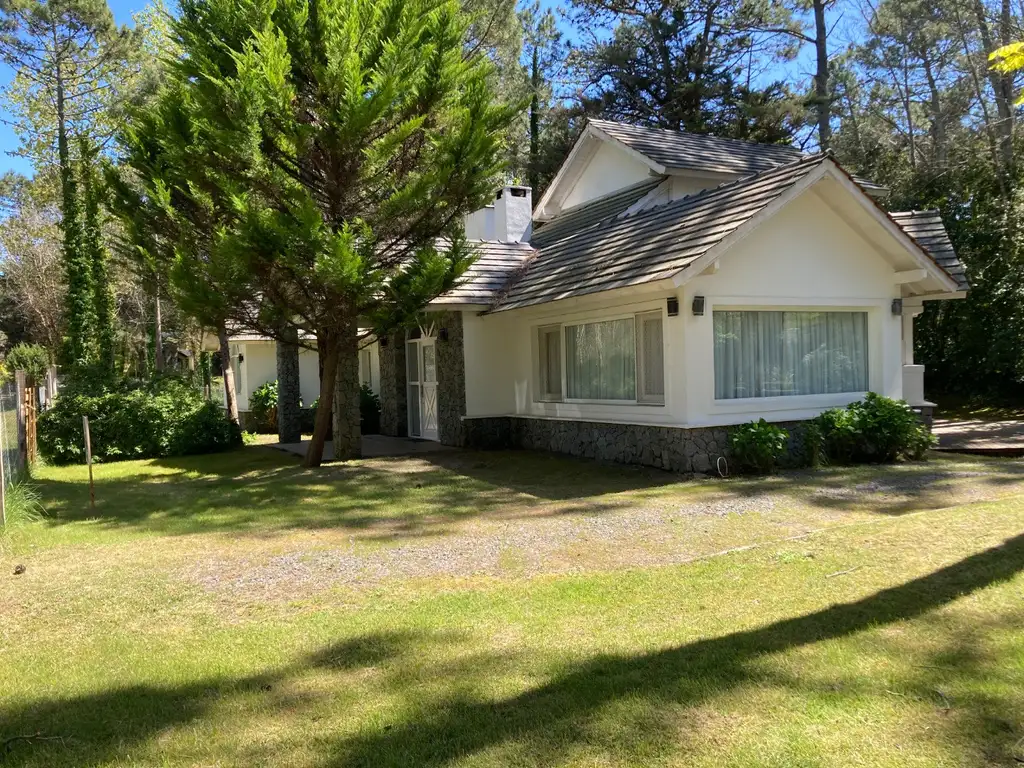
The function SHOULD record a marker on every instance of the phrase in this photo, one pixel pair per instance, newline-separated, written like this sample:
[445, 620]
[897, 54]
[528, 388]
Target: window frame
[541, 397]
[791, 402]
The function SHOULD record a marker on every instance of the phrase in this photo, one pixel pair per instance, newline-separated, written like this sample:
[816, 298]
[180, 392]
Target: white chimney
[508, 220]
[513, 215]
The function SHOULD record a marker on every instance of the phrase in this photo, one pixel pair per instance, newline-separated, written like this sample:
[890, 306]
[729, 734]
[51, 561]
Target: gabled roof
[927, 229]
[677, 150]
[573, 220]
[496, 263]
[664, 241]
[652, 244]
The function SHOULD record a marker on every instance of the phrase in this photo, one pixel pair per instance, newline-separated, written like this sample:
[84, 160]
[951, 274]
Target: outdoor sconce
[698, 306]
[383, 341]
[241, 359]
[897, 306]
[673, 307]
[443, 334]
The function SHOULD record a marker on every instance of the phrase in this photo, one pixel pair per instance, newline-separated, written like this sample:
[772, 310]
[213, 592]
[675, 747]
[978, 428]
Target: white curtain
[600, 360]
[775, 354]
[652, 358]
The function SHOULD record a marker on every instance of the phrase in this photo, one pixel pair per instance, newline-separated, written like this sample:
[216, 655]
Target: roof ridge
[677, 132]
[726, 185]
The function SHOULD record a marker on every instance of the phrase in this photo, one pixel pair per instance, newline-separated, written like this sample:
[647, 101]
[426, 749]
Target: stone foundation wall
[394, 407]
[672, 448]
[451, 379]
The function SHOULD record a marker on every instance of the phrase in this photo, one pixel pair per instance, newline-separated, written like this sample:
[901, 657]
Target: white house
[668, 285]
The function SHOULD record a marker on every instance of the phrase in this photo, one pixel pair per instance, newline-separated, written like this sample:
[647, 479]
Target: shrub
[167, 417]
[369, 411]
[758, 446]
[33, 359]
[875, 430]
[263, 407]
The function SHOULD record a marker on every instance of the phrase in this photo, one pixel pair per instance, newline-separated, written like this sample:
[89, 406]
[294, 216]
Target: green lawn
[504, 609]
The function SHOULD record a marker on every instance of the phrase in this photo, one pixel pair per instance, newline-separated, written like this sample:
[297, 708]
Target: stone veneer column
[289, 393]
[347, 433]
[394, 417]
[451, 380]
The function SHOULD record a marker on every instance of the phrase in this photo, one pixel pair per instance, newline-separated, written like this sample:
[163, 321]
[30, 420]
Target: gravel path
[525, 546]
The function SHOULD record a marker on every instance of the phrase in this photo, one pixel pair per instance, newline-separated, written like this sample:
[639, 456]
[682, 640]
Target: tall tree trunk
[535, 123]
[289, 413]
[329, 350]
[78, 301]
[821, 94]
[347, 426]
[1002, 85]
[938, 127]
[229, 373]
[158, 332]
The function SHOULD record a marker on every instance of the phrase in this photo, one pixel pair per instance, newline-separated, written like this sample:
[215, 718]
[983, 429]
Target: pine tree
[96, 253]
[65, 54]
[311, 153]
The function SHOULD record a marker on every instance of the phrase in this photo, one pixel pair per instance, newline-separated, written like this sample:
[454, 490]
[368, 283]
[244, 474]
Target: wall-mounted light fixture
[673, 307]
[897, 306]
[241, 359]
[698, 306]
[443, 334]
[383, 341]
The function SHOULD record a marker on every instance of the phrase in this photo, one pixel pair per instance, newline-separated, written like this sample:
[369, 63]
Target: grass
[868, 616]
[979, 409]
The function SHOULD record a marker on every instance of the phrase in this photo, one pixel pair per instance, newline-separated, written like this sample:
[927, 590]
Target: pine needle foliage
[304, 159]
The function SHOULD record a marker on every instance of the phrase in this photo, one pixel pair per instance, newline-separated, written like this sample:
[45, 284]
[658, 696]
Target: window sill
[787, 402]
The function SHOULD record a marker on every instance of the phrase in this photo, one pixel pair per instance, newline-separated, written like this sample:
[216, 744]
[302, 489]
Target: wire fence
[11, 453]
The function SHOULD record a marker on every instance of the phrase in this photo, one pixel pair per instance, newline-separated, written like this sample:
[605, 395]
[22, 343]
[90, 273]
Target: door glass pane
[429, 366]
[411, 358]
[414, 410]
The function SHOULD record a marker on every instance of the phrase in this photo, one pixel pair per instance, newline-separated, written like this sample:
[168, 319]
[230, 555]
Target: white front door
[421, 375]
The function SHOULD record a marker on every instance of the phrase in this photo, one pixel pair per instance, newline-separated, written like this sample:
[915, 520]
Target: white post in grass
[88, 460]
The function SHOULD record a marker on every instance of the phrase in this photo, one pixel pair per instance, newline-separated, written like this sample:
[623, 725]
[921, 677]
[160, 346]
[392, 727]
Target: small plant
[758, 446]
[21, 506]
[249, 438]
[876, 430]
[263, 407]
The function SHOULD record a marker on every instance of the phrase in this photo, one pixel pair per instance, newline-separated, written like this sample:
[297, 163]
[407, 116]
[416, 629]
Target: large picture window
[600, 360]
[779, 354]
[608, 360]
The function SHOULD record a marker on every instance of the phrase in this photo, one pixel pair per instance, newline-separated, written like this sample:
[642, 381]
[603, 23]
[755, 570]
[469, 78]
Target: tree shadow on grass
[260, 491]
[545, 723]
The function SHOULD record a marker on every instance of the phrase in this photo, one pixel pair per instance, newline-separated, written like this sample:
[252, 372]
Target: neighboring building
[673, 285]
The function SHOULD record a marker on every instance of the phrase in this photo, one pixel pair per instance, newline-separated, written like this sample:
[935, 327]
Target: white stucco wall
[608, 170]
[806, 257]
[259, 365]
[371, 375]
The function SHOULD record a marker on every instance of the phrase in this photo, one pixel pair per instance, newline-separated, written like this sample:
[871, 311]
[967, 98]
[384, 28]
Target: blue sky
[123, 10]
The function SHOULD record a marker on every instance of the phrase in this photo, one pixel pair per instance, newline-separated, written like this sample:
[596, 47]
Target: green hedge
[166, 418]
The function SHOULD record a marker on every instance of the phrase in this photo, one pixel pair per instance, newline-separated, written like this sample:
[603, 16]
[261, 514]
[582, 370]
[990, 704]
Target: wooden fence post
[88, 460]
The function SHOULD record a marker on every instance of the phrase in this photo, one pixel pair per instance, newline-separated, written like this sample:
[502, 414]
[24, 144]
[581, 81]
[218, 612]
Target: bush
[167, 417]
[758, 446]
[30, 358]
[876, 430]
[263, 408]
